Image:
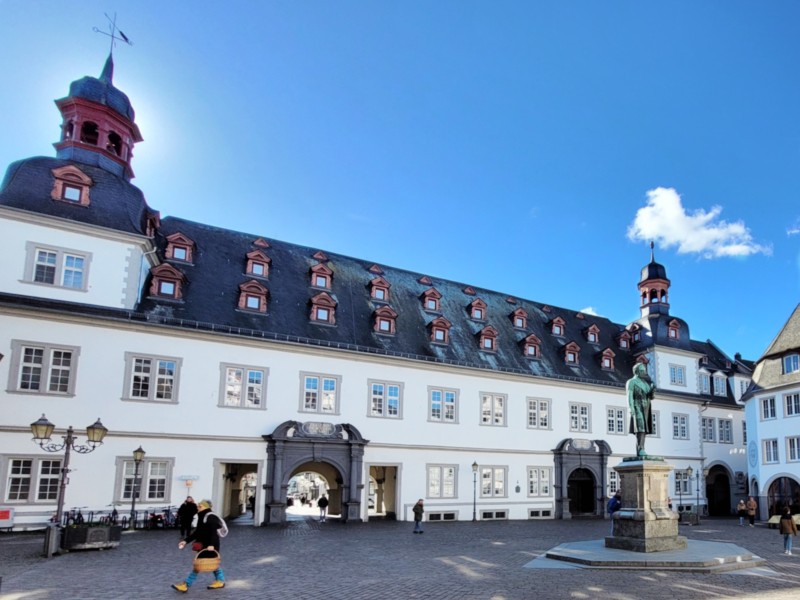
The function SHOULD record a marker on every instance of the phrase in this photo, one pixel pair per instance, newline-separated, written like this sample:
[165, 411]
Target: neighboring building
[235, 358]
[772, 412]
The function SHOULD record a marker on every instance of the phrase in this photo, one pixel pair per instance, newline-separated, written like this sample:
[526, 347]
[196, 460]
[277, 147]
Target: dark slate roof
[655, 331]
[102, 91]
[768, 372]
[114, 202]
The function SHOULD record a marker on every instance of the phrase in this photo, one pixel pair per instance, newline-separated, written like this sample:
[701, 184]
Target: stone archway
[718, 492]
[580, 490]
[580, 478]
[337, 449]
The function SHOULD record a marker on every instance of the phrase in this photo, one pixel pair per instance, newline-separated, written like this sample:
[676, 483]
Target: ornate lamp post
[138, 457]
[474, 490]
[43, 429]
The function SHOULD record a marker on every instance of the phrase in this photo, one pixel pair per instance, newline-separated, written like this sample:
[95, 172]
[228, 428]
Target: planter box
[91, 538]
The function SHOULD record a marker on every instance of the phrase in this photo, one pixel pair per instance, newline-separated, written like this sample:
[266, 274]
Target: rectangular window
[32, 479]
[791, 364]
[385, 399]
[243, 387]
[683, 483]
[680, 427]
[151, 378]
[656, 425]
[720, 386]
[153, 479]
[707, 429]
[540, 481]
[538, 413]
[770, 451]
[792, 405]
[493, 482]
[442, 405]
[580, 417]
[793, 449]
[613, 482]
[677, 375]
[441, 481]
[493, 409]
[705, 383]
[725, 431]
[615, 420]
[744, 433]
[43, 368]
[320, 393]
[767, 408]
[58, 267]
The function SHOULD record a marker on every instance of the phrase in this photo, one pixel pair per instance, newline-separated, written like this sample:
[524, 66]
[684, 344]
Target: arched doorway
[334, 451]
[718, 492]
[782, 492]
[580, 490]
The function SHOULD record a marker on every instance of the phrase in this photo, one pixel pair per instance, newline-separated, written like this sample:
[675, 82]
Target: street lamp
[474, 490]
[43, 429]
[138, 457]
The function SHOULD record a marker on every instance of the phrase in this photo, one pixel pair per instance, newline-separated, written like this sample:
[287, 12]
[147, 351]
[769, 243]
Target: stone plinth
[645, 523]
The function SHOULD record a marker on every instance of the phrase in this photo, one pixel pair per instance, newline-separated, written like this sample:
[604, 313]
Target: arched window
[90, 133]
[114, 143]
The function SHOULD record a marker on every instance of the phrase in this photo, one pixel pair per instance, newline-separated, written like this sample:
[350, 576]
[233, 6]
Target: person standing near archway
[752, 506]
[322, 503]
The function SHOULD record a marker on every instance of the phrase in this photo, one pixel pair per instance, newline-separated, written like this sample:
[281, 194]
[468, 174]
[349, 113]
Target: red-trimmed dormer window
[321, 276]
[430, 299]
[385, 320]
[379, 289]
[179, 247]
[532, 346]
[593, 334]
[258, 264]
[488, 339]
[440, 330]
[519, 318]
[557, 326]
[572, 353]
[323, 309]
[167, 282]
[624, 340]
[673, 330]
[253, 296]
[477, 310]
[71, 185]
[636, 334]
[607, 360]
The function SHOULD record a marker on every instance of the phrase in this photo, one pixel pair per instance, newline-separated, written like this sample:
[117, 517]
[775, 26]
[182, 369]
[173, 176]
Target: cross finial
[112, 26]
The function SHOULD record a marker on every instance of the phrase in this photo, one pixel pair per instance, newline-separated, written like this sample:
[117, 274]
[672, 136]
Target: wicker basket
[206, 561]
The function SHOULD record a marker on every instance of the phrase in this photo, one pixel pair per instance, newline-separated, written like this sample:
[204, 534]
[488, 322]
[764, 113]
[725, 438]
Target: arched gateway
[338, 452]
[580, 477]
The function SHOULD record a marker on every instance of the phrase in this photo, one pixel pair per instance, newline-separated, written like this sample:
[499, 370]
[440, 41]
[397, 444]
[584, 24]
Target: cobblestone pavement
[383, 560]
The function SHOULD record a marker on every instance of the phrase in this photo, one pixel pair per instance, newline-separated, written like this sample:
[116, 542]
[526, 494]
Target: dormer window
[791, 364]
[253, 296]
[607, 360]
[477, 310]
[321, 276]
[673, 330]
[440, 330]
[430, 300]
[385, 320]
[520, 318]
[71, 185]
[323, 309]
[258, 264]
[167, 282]
[557, 326]
[179, 247]
[488, 339]
[532, 346]
[636, 334]
[572, 353]
[379, 289]
[593, 334]
[624, 340]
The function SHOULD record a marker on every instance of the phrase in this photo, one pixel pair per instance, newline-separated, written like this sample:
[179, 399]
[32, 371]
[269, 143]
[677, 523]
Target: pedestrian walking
[788, 528]
[741, 510]
[419, 510]
[186, 513]
[206, 535]
[751, 510]
[613, 506]
[322, 503]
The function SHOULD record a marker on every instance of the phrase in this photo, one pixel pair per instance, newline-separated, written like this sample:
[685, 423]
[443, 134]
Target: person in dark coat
[322, 503]
[186, 513]
[614, 504]
[419, 510]
[788, 528]
[206, 534]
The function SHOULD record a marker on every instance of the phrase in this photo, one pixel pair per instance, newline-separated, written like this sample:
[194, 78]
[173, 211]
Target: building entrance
[580, 488]
[718, 492]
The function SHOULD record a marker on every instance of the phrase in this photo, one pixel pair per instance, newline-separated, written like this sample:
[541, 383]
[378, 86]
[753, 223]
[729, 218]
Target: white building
[228, 355]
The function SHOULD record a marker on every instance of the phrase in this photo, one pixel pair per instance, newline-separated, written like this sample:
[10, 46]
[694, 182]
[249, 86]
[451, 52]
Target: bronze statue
[640, 390]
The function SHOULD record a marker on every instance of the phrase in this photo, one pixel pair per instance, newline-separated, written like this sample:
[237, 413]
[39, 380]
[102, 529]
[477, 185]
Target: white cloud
[794, 229]
[590, 310]
[664, 220]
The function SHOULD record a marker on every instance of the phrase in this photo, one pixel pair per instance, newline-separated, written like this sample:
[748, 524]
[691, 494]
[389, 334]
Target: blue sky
[533, 148]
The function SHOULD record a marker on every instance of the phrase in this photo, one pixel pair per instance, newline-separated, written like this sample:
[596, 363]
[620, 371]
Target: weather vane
[112, 25]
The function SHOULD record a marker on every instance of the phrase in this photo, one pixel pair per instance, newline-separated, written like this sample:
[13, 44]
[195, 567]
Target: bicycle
[74, 516]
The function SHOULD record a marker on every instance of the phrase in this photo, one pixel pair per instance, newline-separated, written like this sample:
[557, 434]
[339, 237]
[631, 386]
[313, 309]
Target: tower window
[90, 133]
[114, 144]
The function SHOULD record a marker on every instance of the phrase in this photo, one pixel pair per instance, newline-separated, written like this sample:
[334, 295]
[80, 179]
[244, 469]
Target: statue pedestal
[645, 523]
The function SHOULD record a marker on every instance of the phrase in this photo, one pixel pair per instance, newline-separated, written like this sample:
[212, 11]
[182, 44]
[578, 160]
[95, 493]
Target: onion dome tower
[654, 288]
